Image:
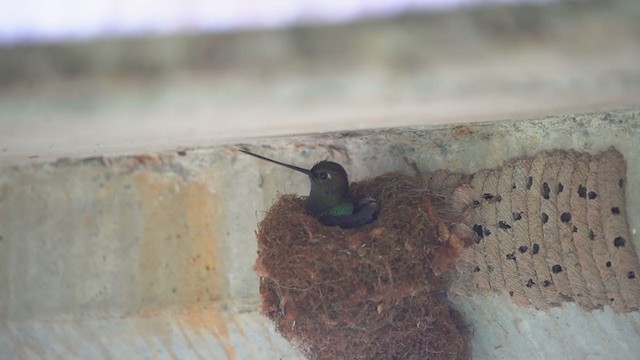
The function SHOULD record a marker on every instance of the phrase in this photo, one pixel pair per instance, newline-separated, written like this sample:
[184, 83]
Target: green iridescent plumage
[341, 210]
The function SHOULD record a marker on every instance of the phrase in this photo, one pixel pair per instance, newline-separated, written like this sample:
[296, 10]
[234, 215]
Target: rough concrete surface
[152, 255]
[127, 217]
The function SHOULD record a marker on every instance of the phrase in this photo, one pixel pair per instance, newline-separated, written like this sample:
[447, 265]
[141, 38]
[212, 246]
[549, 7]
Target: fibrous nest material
[375, 292]
[551, 229]
[544, 230]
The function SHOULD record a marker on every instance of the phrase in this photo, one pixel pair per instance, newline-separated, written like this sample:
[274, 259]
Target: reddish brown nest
[375, 292]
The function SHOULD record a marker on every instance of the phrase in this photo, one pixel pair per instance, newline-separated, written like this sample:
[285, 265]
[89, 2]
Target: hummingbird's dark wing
[365, 211]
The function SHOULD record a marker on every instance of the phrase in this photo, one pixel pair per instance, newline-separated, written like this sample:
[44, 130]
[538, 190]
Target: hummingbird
[329, 200]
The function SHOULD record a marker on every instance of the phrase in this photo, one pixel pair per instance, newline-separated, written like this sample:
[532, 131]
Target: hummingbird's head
[329, 183]
[330, 177]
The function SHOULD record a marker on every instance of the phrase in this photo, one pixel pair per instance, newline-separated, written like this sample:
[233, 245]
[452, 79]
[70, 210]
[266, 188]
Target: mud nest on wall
[551, 229]
[375, 292]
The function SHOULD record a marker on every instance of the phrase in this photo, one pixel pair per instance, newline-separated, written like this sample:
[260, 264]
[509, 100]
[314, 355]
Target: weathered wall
[152, 255]
[149, 255]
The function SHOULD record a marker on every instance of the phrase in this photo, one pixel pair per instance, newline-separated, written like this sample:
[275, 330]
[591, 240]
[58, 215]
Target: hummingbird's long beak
[292, 167]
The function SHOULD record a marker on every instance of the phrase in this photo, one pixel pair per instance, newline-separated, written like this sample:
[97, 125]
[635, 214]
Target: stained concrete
[127, 217]
[152, 255]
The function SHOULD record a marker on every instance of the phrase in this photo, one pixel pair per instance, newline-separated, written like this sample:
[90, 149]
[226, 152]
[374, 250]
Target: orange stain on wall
[212, 321]
[179, 259]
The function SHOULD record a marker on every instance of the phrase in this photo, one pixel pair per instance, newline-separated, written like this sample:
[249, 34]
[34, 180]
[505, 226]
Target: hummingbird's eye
[323, 176]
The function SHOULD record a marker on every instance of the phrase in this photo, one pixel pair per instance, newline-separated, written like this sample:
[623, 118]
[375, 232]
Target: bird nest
[552, 229]
[547, 229]
[374, 292]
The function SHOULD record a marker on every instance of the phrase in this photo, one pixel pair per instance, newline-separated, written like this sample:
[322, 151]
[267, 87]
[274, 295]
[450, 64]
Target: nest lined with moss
[374, 292]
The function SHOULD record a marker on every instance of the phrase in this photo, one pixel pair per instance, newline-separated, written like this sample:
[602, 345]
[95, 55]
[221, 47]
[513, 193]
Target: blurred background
[112, 77]
[63, 20]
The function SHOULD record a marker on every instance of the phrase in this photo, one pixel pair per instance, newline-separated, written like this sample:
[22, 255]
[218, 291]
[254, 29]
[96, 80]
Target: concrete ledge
[91, 247]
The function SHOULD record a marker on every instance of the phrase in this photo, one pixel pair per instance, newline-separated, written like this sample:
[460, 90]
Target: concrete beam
[152, 254]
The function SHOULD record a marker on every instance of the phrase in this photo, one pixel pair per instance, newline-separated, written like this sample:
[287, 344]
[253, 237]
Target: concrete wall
[151, 256]
[127, 218]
